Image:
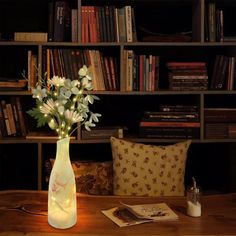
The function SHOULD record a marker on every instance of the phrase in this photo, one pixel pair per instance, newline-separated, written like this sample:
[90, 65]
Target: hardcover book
[62, 18]
[31, 36]
[102, 133]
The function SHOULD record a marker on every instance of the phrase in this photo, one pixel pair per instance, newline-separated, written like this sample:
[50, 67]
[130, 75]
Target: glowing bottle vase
[62, 208]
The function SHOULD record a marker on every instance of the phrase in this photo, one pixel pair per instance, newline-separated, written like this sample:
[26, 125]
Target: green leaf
[41, 119]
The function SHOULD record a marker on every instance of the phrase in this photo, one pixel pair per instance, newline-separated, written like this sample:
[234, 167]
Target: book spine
[50, 20]
[74, 25]
[128, 22]
[16, 116]
[169, 132]
[117, 27]
[134, 31]
[6, 118]
[21, 117]
[62, 16]
[168, 124]
[29, 68]
[102, 133]
[11, 118]
[212, 21]
[31, 36]
[2, 122]
[122, 24]
[108, 73]
[129, 71]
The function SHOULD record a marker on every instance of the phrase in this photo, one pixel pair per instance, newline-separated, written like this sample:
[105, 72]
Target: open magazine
[127, 215]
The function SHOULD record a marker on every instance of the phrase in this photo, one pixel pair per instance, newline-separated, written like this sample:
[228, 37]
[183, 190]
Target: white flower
[57, 81]
[72, 116]
[48, 107]
[39, 93]
[83, 71]
[65, 103]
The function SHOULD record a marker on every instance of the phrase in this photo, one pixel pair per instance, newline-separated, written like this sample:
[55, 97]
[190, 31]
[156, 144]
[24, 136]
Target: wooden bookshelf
[173, 30]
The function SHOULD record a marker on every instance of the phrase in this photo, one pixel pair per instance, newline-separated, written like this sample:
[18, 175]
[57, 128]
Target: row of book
[214, 24]
[12, 119]
[220, 123]
[187, 75]
[98, 23]
[141, 72]
[170, 121]
[108, 24]
[223, 75]
[67, 62]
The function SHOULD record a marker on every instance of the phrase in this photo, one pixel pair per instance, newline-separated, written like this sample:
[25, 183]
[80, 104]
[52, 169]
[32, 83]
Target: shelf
[126, 107]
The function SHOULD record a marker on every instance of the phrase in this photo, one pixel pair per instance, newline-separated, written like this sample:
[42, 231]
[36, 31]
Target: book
[11, 118]
[220, 114]
[30, 36]
[22, 120]
[212, 21]
[3, 127]
[6, 117]
[169, 132]
[128, 22]
[50, 20]
[62, 18]
[134, 31]
[102, 132]
[127, 215]
[74, 25]
[16, 116]
[170, 116]
[168, 124]
[186, 65]
[184, 108]
[122, 24]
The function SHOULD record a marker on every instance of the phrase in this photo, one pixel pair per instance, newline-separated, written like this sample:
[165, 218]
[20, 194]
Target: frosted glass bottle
[62, 202]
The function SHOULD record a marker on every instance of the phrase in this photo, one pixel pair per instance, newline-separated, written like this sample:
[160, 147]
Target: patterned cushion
[92, 177]
[148, 170]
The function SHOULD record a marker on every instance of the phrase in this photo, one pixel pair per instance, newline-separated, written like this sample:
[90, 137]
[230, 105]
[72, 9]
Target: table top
[25, 213]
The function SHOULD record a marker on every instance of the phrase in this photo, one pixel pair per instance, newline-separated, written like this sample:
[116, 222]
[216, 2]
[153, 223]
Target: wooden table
[25, 213]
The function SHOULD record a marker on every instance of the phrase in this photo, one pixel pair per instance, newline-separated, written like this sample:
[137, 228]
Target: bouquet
[61, 103]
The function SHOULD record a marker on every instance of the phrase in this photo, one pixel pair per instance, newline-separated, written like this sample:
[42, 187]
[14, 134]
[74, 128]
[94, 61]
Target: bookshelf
[170, 31]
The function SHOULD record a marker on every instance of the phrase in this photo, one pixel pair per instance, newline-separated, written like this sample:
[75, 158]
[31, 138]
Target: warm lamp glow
[62, 213]
[62, 208]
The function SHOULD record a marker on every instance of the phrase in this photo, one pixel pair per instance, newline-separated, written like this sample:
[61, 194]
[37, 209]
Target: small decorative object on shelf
[61, 104]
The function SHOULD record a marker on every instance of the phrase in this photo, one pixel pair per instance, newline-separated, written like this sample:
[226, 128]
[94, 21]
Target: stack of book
[171, 122]
[220, 123]
[187, 75]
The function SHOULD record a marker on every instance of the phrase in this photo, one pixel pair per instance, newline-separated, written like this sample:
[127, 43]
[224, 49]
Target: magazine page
[126, 215]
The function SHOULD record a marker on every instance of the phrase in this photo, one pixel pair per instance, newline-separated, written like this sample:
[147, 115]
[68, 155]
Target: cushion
[148, 170]
[91, 177]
